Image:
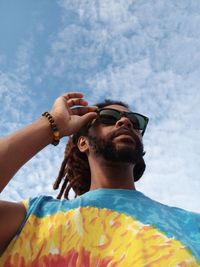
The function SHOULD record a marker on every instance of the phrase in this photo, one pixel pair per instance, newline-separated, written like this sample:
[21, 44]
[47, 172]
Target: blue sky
[145, 53]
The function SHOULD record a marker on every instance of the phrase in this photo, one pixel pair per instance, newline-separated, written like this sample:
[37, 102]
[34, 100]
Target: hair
[74, 172]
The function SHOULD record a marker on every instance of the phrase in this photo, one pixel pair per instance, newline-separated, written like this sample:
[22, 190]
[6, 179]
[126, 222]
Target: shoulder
[42, 205]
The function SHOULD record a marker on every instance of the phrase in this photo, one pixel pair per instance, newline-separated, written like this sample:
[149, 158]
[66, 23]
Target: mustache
[124, 130]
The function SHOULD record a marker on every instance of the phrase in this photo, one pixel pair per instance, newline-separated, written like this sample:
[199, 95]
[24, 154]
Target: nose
[124, 121]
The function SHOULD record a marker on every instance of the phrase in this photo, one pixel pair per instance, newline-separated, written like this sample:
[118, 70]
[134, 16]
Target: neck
[104, 174]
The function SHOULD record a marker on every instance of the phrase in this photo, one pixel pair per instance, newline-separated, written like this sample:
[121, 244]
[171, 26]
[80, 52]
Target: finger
[88, 117]
[73, 95]
[83, 110]
[77, 102]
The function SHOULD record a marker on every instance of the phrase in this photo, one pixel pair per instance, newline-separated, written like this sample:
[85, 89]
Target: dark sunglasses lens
[138, 121]
[108, 116]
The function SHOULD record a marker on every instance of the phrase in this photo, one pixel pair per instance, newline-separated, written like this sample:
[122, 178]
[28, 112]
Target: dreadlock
[74, 172]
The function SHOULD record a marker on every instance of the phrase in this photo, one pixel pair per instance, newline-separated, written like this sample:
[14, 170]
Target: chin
[125, 139]
[128, 144]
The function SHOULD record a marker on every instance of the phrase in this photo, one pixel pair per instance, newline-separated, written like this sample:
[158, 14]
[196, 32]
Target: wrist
[54, 129]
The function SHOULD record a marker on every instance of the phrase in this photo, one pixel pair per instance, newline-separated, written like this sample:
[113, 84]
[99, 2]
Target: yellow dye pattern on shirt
[89, 236]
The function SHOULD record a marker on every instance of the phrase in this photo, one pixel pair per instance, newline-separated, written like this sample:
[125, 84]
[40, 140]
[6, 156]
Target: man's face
[118, 142]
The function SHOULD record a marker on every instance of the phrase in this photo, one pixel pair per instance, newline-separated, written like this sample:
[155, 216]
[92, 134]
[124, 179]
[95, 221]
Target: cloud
[23, 60]
[89, 40]
[14, 100]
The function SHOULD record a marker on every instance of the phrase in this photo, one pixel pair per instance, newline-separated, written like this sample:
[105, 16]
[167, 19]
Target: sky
[146, 53]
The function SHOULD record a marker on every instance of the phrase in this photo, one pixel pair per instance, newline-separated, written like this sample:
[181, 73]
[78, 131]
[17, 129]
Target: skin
[17, 148]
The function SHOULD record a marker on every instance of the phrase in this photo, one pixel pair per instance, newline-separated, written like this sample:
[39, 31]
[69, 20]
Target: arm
[12, 216]
[19, 147]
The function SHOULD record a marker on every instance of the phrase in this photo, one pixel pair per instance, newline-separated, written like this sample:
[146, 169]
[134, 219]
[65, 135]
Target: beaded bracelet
[56, 133]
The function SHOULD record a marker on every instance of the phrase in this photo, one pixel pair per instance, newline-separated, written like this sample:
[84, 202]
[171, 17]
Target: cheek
[100, 131]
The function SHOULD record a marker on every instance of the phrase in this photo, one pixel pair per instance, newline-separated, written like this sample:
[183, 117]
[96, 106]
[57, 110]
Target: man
[109, 223]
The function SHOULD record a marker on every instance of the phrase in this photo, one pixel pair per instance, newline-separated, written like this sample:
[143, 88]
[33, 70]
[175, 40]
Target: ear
[83, 144]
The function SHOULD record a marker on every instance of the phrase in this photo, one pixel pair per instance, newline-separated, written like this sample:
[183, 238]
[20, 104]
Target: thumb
[88, 117]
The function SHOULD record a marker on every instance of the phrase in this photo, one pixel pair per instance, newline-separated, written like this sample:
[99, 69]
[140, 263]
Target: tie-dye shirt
[105, 227]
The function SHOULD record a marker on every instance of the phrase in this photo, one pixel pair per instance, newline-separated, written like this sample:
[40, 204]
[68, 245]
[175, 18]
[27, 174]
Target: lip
[124, 133]
[125, 137]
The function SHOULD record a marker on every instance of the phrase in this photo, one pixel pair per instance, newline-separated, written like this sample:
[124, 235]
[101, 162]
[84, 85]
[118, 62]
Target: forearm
[16, 149]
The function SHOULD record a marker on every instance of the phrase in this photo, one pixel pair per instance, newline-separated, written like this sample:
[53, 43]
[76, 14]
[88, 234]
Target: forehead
[117, 107]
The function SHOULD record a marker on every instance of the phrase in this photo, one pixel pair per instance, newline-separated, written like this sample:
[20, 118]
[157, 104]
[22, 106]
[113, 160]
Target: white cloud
[94, 40]
[71, 57]
[124, 82]
[23, 57]
[13, 99]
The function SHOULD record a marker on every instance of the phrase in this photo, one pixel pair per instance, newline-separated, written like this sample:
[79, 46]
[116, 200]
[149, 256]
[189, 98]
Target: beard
[111, 152]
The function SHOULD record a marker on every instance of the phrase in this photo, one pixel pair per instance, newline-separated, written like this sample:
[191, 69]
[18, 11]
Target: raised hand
[71, 112]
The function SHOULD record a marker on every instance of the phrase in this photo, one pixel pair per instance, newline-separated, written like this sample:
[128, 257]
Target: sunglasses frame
[125, 114]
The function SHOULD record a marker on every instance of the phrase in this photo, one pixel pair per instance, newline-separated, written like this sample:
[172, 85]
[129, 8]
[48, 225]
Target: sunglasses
[110, 116]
